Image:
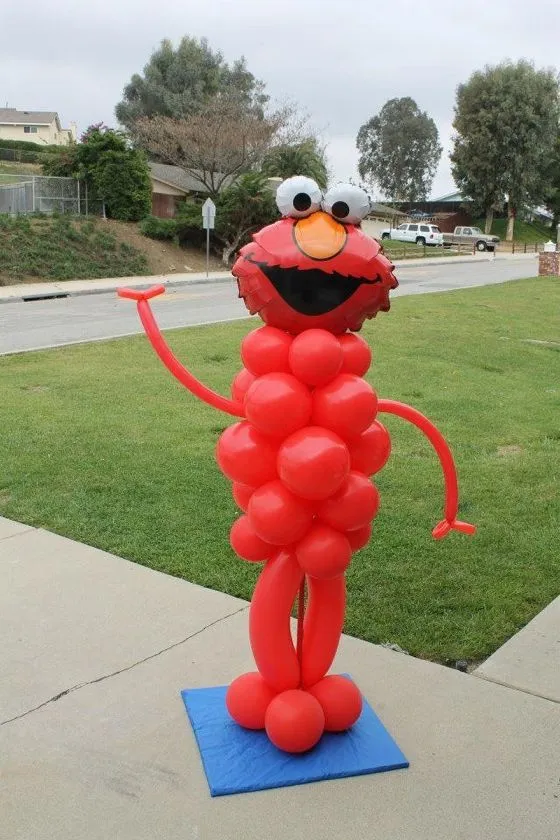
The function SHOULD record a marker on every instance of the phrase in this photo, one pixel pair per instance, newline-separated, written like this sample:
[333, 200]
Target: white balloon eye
[298, 197]
[346, 203]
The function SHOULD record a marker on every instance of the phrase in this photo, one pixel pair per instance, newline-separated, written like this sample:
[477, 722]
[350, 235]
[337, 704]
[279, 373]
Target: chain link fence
[26, 194]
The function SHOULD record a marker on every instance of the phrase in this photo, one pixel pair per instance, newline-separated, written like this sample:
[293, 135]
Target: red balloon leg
[340, 700]
[322, 627]
[269, 622]
[247, 700]
[294, 721]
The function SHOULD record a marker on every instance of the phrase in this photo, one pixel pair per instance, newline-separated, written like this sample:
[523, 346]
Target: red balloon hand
[444, 527]
[141, 294]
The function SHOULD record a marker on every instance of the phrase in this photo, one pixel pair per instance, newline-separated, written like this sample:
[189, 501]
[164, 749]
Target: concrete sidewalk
[72, 288]
[96, 744]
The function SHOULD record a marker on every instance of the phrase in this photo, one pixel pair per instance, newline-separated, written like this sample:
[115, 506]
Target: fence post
[86, 198]
[33, 191]
[79, 204]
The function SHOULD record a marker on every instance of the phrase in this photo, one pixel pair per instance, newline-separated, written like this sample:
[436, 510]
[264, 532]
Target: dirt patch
[163, 257]
[508, 451]
[5, 496]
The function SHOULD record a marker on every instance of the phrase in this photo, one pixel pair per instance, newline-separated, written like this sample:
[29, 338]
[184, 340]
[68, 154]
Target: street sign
[208, 223]
[208, 214]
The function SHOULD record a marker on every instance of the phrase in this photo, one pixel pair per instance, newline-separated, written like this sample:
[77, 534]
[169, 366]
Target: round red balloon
[277, 516]
[347, 405]
[340, 701]
[323, 552]
[294, 721]
[359, 538]
[245, 455]
[315, 357]
[278, 404]
[313, 462]
[241, 384]
[266, 350]
[353, 506]
[247, 699]
[241, 495]
[369, 452]
[356, 354]
[247, 544]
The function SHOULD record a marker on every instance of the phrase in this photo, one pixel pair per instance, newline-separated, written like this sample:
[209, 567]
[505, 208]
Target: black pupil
[302, 202]
[340, 209]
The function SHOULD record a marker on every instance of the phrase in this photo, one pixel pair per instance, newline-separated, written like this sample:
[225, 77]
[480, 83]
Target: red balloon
[248, 698]
[245, 542]
[347, 405]
[245, 455]
[313, 462]
[322, 628]
[241, 495]
[277, 404]
[294, 721]
[277, 516]
[269, 622]
[323, 552]
[356, 354]
[265, 350]
[315, 357]
[353, 506]
[241, 384]
[359, 538]
[369, 452]
[340, 700]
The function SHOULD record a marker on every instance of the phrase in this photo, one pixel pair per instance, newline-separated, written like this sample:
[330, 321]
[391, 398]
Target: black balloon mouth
[312, 291]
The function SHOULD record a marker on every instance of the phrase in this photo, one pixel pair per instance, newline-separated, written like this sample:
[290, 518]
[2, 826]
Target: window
[30, 129]
[401, 227]
[467, 232]
[424, 228]
[435, 229]
[413, 227]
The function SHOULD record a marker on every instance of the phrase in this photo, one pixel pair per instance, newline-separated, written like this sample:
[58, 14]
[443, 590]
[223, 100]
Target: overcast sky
[340, 59]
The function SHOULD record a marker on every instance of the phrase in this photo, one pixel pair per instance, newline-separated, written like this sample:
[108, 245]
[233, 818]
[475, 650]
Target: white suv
[421, 233]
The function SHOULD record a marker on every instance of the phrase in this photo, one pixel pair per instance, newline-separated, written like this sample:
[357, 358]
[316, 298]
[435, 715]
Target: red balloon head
[315, 267]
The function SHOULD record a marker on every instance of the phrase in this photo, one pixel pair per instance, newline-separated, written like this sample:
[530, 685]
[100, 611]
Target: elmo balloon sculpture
[301, 458]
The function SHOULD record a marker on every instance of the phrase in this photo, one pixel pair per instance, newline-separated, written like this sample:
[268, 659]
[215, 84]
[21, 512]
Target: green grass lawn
[100, 444]
[61, 248]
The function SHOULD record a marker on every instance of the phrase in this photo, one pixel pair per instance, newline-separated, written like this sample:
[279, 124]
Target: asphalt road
[38, 324]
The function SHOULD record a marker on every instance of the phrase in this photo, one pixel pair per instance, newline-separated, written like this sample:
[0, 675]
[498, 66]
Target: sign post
[208, 223]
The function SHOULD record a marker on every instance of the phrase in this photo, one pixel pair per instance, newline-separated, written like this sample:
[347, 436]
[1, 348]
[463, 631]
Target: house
[171, 185]
[41, 127]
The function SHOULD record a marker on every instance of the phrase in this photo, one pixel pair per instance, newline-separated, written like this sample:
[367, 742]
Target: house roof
[174, 176]
[383, 210]
[451, 197]
[9, 116]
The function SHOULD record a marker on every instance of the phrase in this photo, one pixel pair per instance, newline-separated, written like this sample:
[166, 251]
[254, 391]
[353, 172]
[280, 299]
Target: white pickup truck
[423, 233]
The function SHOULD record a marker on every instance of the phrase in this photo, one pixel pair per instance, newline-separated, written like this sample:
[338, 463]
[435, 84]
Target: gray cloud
[340, 60]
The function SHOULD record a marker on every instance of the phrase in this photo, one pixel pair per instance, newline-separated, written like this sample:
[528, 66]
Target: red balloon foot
[247, 700]
[294, 721]
[340, 700]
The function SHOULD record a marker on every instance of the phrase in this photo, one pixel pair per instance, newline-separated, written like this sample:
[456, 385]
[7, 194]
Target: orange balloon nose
[319, 236]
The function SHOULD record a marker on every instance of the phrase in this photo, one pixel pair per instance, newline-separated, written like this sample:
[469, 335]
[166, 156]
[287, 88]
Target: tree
[242, 209]
[179, 82]
[552, 188]
[399, 151]
[113, 171]
[304, 158]
[506, 123]
[218, 143]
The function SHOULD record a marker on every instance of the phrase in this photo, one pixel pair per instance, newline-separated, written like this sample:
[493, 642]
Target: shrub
[157, 228]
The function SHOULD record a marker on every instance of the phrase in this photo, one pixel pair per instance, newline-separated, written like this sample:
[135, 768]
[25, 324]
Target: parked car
[471, 236]
[422, 234]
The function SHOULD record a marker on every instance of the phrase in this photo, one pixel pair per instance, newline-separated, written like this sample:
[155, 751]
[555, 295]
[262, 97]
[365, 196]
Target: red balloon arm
[450, 522]
[172, 364]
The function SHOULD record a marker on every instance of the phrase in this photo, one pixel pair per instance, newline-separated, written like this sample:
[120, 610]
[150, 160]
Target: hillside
[63, 248]
[528, 232]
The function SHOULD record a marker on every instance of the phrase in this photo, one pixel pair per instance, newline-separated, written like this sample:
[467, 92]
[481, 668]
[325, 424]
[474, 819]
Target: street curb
[145, 282]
